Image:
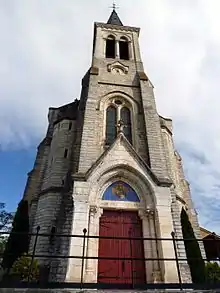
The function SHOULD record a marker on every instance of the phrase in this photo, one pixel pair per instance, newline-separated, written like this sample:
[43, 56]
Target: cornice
[117, 27]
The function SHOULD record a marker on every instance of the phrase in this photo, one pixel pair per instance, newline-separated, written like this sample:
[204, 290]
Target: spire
[114, 18]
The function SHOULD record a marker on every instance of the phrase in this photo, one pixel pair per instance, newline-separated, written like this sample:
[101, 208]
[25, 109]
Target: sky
[46, 48]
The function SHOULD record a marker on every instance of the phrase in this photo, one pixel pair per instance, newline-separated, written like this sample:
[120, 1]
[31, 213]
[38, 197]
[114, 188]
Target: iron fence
[111, 285]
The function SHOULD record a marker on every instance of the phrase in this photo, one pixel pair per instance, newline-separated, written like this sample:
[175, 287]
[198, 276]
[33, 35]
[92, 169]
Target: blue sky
[13, 168]
[46, 49]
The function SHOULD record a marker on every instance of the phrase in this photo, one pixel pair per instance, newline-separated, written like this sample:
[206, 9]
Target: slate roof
[114, 19]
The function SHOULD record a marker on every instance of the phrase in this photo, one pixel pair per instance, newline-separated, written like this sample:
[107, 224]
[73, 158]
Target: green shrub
[212, 272]
[20, 269]
[193, 253]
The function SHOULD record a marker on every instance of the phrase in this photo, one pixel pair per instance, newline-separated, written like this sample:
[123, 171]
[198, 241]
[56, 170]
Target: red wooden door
[121, 224]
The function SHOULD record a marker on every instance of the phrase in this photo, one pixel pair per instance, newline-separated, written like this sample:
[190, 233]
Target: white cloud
[46, 49]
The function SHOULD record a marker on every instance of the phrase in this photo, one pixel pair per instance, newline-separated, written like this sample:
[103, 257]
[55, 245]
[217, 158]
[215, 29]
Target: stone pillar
[92, 264]
[117, 49]
[130, 51]
[165, 223]
[80, 221]
[147, 244]
[156, 273]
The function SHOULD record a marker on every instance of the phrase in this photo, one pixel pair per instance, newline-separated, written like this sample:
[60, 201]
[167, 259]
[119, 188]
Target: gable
[122, 154]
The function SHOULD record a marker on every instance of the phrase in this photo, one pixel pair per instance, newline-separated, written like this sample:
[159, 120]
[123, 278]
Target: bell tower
[118, 89]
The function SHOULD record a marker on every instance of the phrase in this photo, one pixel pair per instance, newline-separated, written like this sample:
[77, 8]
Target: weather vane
[114, 7]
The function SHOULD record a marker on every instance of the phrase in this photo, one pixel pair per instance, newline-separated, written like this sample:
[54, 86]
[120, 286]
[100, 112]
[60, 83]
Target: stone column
[156, 274]
[147, 244]
[154, 245]
[91, 264]
[130, 51]
[117, 49]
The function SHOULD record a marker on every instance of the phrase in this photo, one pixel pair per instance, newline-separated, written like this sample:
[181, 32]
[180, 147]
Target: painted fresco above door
[120, 191]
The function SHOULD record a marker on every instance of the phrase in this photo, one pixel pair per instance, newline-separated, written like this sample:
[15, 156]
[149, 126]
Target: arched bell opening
[110, 50]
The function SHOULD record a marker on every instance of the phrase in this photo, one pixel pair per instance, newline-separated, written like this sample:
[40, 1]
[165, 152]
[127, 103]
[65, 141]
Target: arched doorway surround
[140, 199]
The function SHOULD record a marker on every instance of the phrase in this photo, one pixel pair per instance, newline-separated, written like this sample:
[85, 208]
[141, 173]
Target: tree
[18, 241]
[5, 226]
[193, 253]
[5, 218]
[3, 241]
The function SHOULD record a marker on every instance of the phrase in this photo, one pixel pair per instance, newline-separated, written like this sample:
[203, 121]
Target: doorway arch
[144, 208]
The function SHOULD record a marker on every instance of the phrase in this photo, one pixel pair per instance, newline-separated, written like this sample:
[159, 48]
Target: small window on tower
[70, 125]
[110, 47]
[65, 153]
[123, 48]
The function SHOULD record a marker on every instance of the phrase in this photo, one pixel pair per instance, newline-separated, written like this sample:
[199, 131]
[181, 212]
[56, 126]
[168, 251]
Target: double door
[123, 224]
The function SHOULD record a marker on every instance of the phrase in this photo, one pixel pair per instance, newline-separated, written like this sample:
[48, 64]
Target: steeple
[114, 18]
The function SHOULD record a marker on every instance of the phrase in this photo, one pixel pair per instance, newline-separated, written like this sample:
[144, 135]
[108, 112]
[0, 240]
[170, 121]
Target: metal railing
[123, 285]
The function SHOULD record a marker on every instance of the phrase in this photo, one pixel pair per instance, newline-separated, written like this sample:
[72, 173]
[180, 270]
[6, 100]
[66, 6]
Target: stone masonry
[74, 166]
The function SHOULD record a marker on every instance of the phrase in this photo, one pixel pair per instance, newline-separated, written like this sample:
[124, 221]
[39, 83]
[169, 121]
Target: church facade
[108, 165]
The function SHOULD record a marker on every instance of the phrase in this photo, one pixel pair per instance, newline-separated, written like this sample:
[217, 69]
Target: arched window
[126, 119]
[110, 47]
[111, 125]
[123, 48]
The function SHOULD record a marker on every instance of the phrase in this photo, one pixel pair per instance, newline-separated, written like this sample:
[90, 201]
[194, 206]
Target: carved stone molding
[117, 27]
[148, 213]
[117, 68]
[93, 210]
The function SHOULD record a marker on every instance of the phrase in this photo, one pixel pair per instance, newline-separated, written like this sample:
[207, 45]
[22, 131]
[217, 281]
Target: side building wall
[181, 197]
[51, 205]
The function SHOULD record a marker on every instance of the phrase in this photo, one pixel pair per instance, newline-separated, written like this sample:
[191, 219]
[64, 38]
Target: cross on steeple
[114, 7]
[114, 19]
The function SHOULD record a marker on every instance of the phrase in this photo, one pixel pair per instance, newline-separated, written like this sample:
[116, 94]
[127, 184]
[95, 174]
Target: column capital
[93, 210]
[150, 212]
[146, 213]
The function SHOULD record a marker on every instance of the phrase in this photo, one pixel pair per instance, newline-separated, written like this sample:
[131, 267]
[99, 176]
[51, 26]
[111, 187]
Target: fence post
[176, 258]
[33, 254]
[83, 256]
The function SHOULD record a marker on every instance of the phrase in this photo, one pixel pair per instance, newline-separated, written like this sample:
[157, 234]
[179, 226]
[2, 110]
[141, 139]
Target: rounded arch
[104, 100]
[128, 174]
[128, 101]
[107, 34]
[125, 36]
[124, 39]
[111, 37]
